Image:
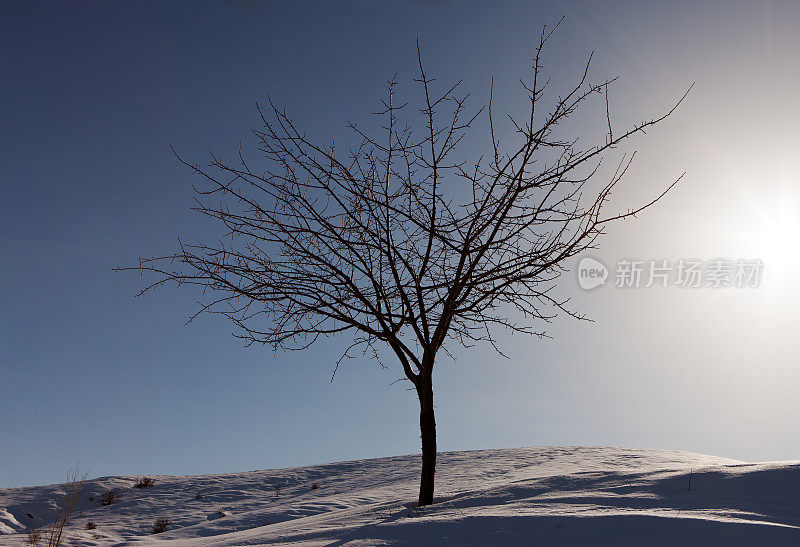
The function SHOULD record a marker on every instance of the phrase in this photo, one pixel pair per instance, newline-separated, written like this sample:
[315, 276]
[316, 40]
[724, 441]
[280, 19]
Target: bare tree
[398, 241]
[72, 495]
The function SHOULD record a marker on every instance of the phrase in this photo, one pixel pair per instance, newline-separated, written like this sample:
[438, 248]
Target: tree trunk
[427, 425]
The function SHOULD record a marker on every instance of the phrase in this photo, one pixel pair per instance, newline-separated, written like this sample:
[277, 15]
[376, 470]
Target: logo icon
[591, 273]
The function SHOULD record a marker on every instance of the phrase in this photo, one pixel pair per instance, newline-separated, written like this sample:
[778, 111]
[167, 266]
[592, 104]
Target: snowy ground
[548, 496]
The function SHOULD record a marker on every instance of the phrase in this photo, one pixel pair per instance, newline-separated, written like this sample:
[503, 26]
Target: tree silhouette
[397, 241]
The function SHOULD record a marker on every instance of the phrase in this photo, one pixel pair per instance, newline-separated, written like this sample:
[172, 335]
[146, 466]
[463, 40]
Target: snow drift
[552, 496]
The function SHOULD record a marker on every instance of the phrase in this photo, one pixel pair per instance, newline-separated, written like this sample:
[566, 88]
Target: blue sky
[94, 94]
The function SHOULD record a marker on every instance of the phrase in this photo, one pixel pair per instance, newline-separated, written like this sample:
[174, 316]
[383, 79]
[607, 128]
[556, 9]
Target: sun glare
[773, 237]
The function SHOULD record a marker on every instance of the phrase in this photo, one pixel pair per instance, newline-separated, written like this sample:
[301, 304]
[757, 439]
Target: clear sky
[93, 94]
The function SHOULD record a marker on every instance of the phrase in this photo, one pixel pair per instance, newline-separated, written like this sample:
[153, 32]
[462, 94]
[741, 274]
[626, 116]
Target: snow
[9, 524]
[552, 496]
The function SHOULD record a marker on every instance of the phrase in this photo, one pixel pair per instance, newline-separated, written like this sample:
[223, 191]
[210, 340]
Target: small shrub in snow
[110, 496]
[90, 525]
[144, 482]
[277, 488]
[315, 485]
[218, 514]
[198, 497]
[72, 495]
[160, 525]
[34, 537]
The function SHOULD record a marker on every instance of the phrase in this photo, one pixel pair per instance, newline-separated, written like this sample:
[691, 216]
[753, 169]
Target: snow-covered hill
[548, 496]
